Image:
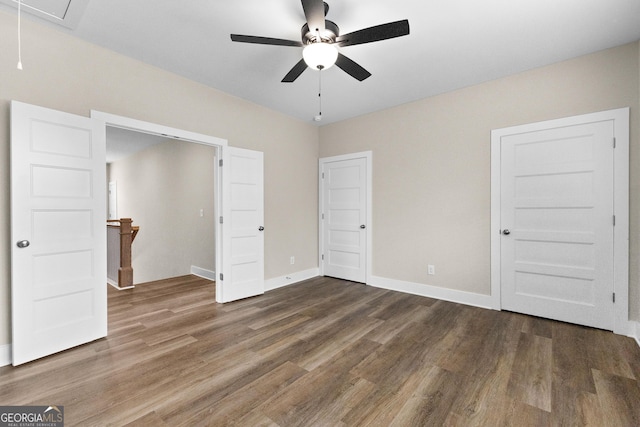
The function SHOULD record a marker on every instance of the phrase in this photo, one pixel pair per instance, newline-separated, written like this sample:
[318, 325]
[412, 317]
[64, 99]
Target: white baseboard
[115, 285]
[452, 295]
[5, 354]
[203, 272]
[290, 279]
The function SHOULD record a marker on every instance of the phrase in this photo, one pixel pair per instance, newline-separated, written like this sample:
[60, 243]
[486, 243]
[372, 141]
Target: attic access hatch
[62, 12]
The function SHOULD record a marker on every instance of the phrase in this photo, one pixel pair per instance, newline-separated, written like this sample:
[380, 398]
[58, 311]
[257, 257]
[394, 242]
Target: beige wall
[70, 75]
[163, 189]
[431, 164]
[431, 157]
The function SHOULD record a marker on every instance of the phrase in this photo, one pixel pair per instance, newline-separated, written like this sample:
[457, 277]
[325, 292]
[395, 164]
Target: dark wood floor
[330, 353]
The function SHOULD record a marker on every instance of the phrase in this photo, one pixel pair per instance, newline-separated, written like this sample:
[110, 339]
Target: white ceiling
[453, 44]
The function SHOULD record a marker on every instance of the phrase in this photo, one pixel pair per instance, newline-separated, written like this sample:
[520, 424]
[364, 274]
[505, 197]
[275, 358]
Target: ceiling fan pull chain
[320, 91]
[319, 116]
[19, 66]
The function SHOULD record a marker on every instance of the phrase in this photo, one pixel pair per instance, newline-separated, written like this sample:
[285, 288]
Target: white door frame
[368, 156]
[620, 117]
[183, 135]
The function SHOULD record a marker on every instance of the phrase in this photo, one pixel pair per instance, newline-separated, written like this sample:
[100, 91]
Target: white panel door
[344, 215]
[58, 229]
[557, 223]
[242, 225]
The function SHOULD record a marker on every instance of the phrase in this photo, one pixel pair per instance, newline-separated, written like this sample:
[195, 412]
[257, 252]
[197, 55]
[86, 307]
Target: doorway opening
[167, 187]
[169, 198]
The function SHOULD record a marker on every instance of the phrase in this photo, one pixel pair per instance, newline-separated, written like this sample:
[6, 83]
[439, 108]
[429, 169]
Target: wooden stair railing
[127, 234]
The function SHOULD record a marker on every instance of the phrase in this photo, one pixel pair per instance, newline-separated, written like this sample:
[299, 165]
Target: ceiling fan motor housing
[329, 34]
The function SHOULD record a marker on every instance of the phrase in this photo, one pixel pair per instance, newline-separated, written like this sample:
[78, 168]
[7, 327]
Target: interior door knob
[261, 228]
[363, 226]
[23, 244]
[506, 232]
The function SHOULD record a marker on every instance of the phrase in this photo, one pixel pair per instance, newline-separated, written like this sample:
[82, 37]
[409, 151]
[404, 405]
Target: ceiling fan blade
[264, 40]
[352, 68]
[314, 12]
[374, 34]
[295, 72]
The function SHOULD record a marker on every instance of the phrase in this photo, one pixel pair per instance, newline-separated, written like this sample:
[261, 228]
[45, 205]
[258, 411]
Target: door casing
[169, 132]
[620, 117]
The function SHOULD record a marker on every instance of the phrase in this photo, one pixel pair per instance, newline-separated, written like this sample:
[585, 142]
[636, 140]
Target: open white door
[58, 229]
[242, 273]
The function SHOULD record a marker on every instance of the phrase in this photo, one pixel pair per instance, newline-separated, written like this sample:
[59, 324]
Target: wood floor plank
[484, 398]
[232, 407]
[150, 419]
[571, 362]
[309, 399]
[575, 407]
[531, 376]
[606, 354]
[619, 397]
[431, 401]
[327, 352]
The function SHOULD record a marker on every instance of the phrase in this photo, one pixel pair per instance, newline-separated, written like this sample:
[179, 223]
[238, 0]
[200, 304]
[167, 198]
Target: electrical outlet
[292, 260]
[431, 269]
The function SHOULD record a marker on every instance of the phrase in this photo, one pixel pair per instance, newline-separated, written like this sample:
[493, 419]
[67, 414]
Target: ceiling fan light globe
[320, 55]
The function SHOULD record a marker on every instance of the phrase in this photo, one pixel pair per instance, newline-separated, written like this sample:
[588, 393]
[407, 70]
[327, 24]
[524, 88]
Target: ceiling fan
[320, 38]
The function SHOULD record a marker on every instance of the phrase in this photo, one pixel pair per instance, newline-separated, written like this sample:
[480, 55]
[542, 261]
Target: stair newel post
[125, 272]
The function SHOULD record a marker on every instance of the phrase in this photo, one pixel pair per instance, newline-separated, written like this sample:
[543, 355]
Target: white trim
[115, 285]
[290, 279]
[156, 129]
[446, 294]
[203, 272]
[166, 131]
[620, 118]
[635, 328]
[368, 156]
[5, 355]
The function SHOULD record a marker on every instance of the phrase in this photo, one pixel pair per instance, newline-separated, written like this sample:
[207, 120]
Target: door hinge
[323, 257]
[220, 162]
[322, 175]
[221, 276]
[614, 297]
[614, 143]
[322, 216]
[221, 220]
[614, 220]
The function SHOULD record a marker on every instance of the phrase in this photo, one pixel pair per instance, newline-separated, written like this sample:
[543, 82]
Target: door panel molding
[243, 225]
[58, 268]
[620, 118]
